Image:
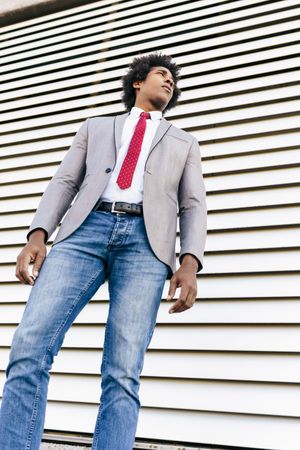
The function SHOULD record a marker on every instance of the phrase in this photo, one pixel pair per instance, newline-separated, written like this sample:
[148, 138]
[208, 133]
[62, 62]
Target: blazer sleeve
[192, 207]
[63, 186]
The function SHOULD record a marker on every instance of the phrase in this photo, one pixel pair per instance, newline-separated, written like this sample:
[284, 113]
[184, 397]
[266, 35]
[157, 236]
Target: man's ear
[136, 84]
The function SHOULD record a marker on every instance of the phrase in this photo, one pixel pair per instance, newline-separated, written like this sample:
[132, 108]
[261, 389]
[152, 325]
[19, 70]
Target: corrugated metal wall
[227, 371]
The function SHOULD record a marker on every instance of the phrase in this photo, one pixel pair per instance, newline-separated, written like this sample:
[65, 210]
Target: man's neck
[146, 106]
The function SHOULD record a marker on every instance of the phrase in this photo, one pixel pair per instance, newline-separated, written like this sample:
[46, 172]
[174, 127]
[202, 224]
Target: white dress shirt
[133, 194]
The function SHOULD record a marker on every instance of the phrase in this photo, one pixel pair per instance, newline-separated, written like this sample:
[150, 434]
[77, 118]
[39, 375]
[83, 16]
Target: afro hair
[138, 71]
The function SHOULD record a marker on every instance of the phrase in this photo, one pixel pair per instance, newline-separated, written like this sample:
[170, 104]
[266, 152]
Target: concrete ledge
[70, 441]
[49, 446]
[46, 446]
[137, 446]
[61, 441]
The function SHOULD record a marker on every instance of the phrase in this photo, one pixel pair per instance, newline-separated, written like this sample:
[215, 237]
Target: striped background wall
[227, 371]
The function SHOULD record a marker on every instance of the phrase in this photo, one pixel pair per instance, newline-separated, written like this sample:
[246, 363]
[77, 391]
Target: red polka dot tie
[127, 170]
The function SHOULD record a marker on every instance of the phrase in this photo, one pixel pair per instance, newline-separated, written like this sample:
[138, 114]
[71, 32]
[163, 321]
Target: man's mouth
[167, 89]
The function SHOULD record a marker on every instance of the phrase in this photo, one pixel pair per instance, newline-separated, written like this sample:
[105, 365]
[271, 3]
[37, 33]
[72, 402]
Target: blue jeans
[105, 246]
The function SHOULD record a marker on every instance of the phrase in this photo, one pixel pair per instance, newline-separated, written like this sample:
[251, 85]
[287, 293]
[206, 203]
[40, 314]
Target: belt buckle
[114, 211]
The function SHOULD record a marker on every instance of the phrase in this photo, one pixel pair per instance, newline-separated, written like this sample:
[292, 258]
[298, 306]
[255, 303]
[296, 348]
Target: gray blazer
[172, 178]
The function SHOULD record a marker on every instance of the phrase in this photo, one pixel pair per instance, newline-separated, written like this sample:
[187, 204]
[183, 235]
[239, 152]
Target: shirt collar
[155, 115]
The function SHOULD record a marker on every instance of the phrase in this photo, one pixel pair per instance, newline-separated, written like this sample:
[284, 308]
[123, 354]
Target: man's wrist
[190, 261]
[38, 233]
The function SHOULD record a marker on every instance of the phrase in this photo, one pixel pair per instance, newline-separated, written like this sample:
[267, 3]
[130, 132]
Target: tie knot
[146, 115]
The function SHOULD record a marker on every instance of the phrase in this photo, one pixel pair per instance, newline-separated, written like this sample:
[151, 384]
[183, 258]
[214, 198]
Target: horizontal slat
[275, 177]
[230, 286]
[237, 99]
[134, 49]
[86, 11]
[215, 396]
[21, 190]
[30, 148]
[102, 24]
[255, 198]
[217, 241]
[243, 397]
[217, 365]
[104, 96]
[250, 144]
[178, 35]
[228, 130]
[251, 162]
[239, 337]
[29, 173]
[232, 130]
[225, 263]
[99, 24]
[217, 202]
[228, 59]
[254, 218]
[225, 165]
[227, 311]
[58, 131]
[233, 102]
[213, 182]
[253, 239]
[250, 430]
[247, 366]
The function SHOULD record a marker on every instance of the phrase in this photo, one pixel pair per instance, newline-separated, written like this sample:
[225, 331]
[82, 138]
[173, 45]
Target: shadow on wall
[13, 11]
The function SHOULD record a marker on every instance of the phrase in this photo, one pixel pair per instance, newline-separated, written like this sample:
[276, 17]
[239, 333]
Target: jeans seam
[113, 234]
[38, 390]
[104, 360]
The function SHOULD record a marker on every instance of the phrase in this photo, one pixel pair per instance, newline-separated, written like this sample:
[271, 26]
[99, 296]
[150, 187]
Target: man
[130, 172]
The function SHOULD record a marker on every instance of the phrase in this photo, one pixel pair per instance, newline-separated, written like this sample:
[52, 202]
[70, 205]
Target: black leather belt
[121, 207]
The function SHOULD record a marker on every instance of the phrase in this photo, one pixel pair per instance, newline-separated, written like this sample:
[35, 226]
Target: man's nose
[171, 82]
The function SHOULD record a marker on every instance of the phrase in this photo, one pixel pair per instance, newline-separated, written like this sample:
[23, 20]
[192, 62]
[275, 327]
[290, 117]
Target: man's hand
[184, 277]
[34, 251]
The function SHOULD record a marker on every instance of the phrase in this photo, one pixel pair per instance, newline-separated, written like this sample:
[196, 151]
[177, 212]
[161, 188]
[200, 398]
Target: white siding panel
[123, 41]
[254, 431]
[210, 396]
[171, 9]
[245, 366]
[233, 358]
[236, 337]
[229, 311]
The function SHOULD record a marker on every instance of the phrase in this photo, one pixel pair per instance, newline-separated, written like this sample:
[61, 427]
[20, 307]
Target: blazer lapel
[119, 123]
[160, 132]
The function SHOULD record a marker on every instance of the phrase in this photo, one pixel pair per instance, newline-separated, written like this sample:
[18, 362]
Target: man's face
[157, 88]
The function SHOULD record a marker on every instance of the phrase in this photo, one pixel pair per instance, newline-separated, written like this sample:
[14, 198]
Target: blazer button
[108, 170]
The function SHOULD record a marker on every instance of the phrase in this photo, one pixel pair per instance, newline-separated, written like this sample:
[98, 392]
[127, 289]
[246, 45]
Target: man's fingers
[18, 271]
[37, 265]
[179, 304]
[186, 300]
[23, 261]
[172, 288]
[34, 252]
[17, 274]
[191, 298]
[23, 273]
